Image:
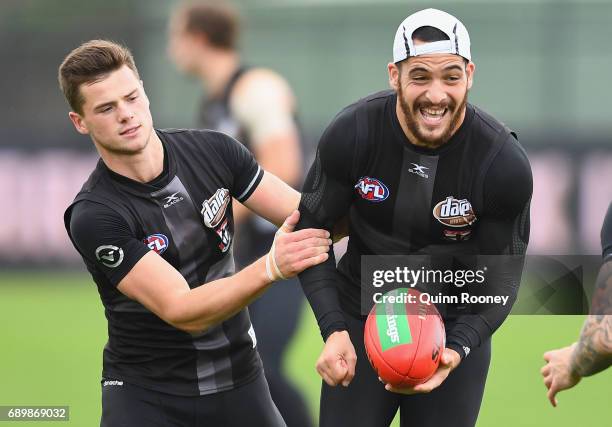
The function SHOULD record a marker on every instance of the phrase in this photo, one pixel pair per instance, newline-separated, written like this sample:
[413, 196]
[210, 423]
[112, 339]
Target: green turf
[53, 330]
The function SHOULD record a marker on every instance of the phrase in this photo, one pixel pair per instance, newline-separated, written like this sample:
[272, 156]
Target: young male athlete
[566, 366]
[154, 226]
[418, 170]
[257, 107]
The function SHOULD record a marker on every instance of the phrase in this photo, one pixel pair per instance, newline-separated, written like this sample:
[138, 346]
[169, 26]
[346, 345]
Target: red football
[404, 340]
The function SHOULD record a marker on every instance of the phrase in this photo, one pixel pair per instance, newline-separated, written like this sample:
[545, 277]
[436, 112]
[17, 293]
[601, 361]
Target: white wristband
[273, 255]
[268, 269]
[272, 270]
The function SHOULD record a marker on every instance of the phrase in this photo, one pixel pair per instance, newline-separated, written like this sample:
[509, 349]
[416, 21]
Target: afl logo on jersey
[372, 189]
[157, 243]
[213, 209]
[454, 213]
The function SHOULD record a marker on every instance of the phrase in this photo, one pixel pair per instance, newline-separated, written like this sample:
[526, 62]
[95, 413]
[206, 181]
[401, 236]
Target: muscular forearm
[273, 199]
[318, 284]
[209, 304]
[594, 350]
[322, 296]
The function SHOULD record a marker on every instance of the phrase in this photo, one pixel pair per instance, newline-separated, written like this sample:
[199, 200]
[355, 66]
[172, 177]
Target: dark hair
[217, 20]
[89, 63]
[429, 34]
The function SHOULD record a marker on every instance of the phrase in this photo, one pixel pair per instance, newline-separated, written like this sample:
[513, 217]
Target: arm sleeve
[606, 236]
[105, 240]
[503, 230]
[246, 172]
[326, 197]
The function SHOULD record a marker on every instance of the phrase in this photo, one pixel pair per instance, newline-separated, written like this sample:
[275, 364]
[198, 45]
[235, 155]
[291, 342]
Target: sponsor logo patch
[225, 236]
[457, 235]
[419, 170]
[109, 255]
[455, 213]
[172, 199]
[213, 209]
[372, 189]
[392, 331]
[157, 243]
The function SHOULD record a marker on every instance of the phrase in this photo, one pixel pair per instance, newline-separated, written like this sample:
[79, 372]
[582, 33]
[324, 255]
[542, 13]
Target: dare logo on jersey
[454, 212]
[157, 243]
[372, 189]
[213, 209]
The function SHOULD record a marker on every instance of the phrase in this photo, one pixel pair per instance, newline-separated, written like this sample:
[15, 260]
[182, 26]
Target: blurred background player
[257, 107]
[592, 353]
[391, 161]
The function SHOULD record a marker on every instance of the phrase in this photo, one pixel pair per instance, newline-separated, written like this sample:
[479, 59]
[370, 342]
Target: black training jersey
[606, 235]
[470, 196]
[185, 216]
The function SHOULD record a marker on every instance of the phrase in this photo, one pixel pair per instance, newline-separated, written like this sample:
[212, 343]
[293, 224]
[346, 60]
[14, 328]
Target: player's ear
[470, 68]
[78, 122]
[394, 75]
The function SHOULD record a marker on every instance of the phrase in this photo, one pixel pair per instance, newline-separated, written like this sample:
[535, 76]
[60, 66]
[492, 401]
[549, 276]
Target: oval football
[404, 342]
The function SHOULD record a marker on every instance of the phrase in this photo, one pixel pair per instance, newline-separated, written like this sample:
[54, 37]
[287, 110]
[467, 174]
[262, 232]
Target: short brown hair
[89, 63]
[218, 21]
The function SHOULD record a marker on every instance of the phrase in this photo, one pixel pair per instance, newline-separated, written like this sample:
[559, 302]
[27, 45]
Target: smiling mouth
[130, 131]
[433, 116]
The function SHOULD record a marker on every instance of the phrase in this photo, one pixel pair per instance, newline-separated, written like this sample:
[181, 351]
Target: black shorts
[366, 403]
[127, 405]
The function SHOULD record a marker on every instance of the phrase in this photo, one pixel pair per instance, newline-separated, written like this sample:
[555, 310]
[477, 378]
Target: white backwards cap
[459, 43]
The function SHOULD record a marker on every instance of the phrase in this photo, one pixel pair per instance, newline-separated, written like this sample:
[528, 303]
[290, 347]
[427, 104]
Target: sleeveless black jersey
[185, 216]
[215, 112]
[470, 196]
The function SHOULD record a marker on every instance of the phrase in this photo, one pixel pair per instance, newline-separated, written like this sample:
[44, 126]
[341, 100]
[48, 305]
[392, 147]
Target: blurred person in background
[257, 107]
[566, 366]
[419, 170]
[154, 226]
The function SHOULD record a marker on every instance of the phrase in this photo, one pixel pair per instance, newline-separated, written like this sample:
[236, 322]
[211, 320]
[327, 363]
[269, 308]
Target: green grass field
[53, 329]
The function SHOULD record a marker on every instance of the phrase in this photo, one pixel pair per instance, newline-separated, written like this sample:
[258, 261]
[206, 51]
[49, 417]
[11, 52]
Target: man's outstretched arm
[592, 353]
